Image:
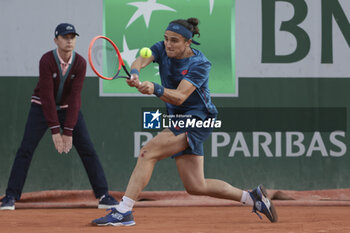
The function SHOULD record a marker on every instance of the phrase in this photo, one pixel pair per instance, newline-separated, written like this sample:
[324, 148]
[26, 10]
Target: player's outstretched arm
[180, 94]
[173, 96]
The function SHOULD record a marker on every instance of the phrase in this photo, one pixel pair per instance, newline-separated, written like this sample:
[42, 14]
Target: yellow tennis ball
[145, 52]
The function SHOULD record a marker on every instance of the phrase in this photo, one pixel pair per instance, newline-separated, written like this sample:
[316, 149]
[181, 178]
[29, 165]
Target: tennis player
[56, 105]
[184, 73]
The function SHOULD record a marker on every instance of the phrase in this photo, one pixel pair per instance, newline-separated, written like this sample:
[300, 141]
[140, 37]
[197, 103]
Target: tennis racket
[105, 59]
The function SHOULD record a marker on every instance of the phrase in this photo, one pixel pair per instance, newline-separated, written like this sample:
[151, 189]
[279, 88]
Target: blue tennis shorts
[195, 138]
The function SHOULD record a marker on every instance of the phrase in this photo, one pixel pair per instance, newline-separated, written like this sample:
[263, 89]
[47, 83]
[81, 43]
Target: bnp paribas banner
[134, 24]
[292, 38]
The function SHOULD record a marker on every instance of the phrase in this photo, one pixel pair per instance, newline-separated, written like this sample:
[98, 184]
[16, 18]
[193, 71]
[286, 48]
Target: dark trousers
[35, 129]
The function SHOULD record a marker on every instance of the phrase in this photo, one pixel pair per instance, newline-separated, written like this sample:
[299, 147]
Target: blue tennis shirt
[194, 69]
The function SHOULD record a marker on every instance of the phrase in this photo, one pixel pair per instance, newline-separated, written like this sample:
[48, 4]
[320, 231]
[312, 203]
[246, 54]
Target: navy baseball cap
[64, 29]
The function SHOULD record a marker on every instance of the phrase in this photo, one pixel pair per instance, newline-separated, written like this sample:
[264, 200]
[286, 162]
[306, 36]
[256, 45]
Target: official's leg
[34, 130]
[88, 155]
[191, 171]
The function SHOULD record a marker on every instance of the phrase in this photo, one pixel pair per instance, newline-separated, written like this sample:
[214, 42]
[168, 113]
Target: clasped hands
[63, 143]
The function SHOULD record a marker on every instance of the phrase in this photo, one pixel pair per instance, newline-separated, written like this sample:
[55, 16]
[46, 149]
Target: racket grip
[131, 77]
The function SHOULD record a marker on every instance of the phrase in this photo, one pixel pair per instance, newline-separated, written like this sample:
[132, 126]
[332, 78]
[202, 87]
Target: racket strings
[105, 59]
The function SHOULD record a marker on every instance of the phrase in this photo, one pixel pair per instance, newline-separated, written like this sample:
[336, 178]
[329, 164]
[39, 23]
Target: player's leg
[164, 145]
[161, 146]
[92, 164]
[35, 128]
[191, 172]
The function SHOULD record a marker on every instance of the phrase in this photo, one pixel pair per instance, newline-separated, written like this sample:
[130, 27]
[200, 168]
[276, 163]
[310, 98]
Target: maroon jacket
[55, 92]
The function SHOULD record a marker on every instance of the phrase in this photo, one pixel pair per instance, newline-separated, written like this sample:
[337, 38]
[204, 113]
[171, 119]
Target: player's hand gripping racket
[105, 59]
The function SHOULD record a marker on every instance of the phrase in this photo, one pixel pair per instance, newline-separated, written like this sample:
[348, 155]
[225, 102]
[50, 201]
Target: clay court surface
[180, 219]
[317, 212]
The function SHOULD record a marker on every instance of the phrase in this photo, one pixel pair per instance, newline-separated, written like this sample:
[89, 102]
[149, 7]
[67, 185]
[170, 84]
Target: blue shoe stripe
[128, 223]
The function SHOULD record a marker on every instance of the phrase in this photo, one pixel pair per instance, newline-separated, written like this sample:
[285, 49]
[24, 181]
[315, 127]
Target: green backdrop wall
[112, 122]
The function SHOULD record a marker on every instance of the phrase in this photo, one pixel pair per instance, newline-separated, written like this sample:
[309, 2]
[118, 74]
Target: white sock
[246, 199]
[125, 205]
